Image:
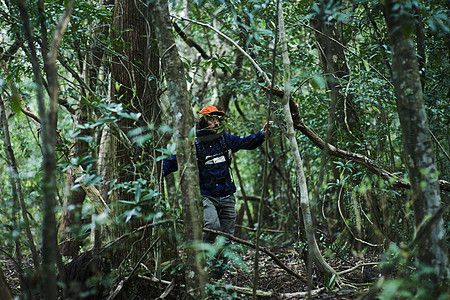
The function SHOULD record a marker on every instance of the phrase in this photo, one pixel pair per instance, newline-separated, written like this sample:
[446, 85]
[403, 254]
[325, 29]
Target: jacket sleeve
[170, 165]
[249, 142]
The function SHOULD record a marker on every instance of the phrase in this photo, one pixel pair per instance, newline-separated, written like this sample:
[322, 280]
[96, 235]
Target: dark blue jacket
[215, 178]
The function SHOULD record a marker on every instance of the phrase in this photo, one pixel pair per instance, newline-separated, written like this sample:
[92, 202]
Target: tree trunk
[301, 179]
[334, 65]
[186, 157]
[134, 73]
[106, 162]
[416, 136]
[49, 119]
[74, 197]
[71, 218]
[48, 116]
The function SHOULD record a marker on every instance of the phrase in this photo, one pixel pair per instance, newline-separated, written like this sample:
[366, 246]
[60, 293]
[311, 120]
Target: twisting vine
[264, 187]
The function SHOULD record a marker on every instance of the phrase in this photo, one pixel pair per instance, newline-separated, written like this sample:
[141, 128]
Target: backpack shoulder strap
[226, 150]
[201, 155]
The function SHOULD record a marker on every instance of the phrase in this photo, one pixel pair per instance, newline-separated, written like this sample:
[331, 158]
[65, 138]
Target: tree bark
[186, 157]
[134, 75]
[74, 197]
[416, 136]
[49, 118]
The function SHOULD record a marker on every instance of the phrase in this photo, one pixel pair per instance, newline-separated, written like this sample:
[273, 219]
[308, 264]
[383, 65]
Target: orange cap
[210, 110]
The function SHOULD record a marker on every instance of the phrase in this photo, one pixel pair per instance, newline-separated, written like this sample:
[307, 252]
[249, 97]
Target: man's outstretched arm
[249, 142]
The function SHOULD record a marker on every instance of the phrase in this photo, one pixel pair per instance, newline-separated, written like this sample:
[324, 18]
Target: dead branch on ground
[263, 249]
[243, 290]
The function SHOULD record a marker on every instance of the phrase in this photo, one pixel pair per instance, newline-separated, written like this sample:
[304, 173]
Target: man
[214, 148]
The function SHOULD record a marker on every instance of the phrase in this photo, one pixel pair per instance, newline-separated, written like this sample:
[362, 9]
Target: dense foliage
[356, 212]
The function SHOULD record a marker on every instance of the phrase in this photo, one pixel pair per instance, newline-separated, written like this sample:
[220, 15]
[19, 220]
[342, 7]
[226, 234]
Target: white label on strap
[215, 160]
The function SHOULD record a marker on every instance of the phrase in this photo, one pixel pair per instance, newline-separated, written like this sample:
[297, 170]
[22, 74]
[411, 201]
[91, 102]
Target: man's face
[213, 123]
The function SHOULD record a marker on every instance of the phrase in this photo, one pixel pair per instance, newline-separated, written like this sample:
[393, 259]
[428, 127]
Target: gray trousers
[219, 213]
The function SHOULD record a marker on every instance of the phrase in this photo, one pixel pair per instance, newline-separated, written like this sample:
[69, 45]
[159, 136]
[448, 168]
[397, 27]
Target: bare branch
[254, 63]
[427, 226]
[439, 145]
[356, 267]
[355, 157]
[189, 41]
[263, 249]
[247, 291]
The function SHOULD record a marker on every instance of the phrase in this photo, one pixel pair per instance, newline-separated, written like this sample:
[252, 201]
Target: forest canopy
[348, 196]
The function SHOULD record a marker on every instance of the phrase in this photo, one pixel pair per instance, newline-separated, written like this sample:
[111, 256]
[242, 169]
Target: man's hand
[266, 127]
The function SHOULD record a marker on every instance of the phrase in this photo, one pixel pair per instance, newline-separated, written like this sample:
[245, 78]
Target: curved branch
[355, 157]
[348, 227]
[8, 54]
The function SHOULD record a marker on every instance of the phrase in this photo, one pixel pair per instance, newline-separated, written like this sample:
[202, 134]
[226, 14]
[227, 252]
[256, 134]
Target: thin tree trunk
[49, 118]
[71, 218]
[334, 65]
[48, 124]
[358, 221]
[17, 185]
[47, 194]
[416, 136]
[187, 163]
[301, 179]
[74, 197]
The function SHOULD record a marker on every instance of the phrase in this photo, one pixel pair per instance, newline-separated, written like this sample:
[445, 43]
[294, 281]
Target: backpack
[213, 159]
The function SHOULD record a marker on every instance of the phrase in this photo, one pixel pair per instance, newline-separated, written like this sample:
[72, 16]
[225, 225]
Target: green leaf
[132, 116]
[85, 138]
[131, 213]
[137, 195]
[161, 157]
[366, 65]
[318, 82]
[16, 103]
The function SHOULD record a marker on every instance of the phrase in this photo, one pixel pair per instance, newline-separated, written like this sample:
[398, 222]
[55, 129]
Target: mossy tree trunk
[186, 157]
[432, 250]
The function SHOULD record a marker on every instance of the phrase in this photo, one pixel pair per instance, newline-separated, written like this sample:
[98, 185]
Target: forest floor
[276, 283]
[273, 283]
